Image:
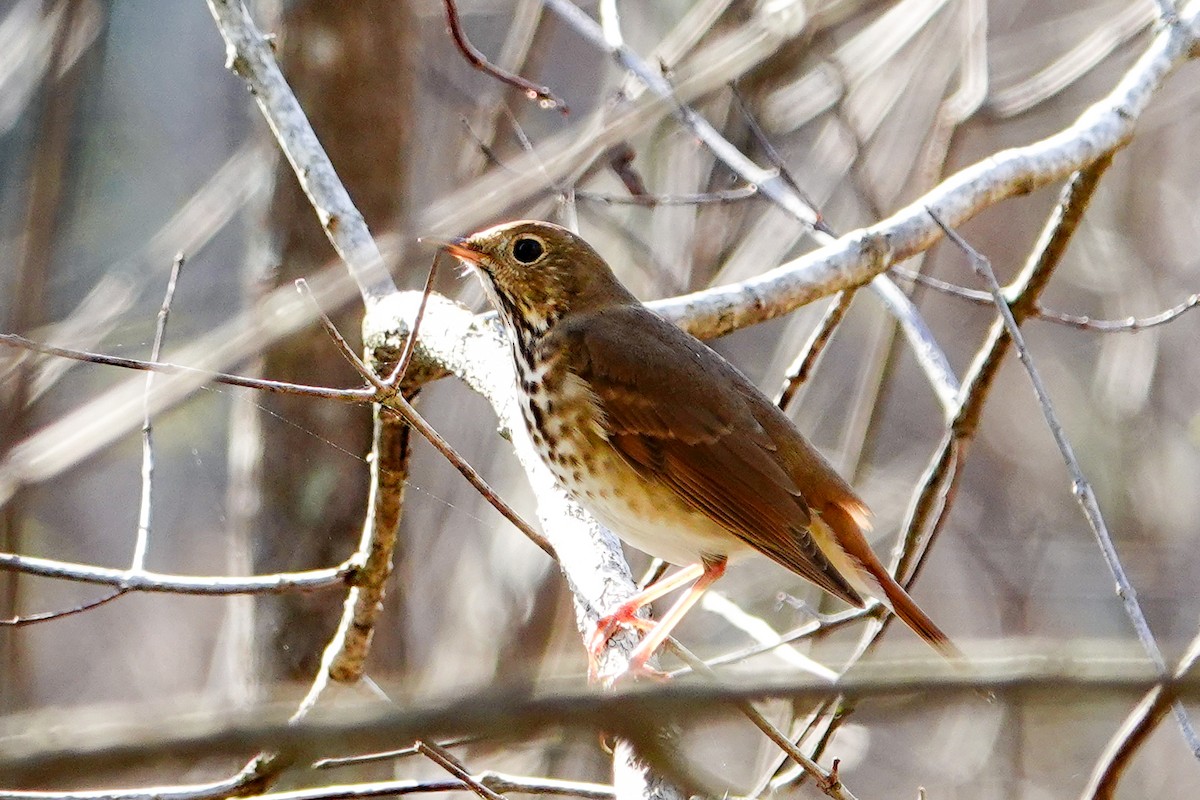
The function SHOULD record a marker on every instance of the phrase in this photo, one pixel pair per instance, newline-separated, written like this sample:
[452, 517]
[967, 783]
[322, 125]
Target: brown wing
[671, 404]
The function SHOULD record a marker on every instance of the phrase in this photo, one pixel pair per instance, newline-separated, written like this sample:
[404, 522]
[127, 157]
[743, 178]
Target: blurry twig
[386, 755]
[546, 98]
[446, 760]
[827, 780]
[242, 785]
[1137, 727]
[1080, 486]
[769, 181]
[620, 161]
[652, 200]
[193, 225]
[773, 155]
[141, 738]
[1110, 33]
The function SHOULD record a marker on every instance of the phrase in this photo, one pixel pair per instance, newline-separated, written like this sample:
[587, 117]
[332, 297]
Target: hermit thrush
[663, 440]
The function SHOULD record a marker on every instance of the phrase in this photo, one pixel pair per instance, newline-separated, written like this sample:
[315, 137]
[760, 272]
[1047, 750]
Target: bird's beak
[460, 248]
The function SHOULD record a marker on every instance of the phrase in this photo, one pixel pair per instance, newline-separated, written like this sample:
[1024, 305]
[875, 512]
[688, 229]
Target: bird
[664, 441]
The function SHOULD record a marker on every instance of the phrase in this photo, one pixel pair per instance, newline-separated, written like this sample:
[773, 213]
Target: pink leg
[704, 575]
[710, 572]
[626, 613]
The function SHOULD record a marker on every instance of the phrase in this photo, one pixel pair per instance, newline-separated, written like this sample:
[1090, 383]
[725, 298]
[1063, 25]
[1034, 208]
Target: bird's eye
[527, 250]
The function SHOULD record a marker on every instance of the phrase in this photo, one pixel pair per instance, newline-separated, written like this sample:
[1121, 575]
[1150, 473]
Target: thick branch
[249, 54]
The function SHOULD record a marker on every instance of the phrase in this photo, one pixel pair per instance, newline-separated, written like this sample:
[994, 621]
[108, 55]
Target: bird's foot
[606, 628]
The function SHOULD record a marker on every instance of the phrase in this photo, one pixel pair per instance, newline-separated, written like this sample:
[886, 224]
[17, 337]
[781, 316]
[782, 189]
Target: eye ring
[528, 249]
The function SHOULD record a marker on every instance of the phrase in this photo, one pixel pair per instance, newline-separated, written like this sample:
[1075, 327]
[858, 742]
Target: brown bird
[663, 440]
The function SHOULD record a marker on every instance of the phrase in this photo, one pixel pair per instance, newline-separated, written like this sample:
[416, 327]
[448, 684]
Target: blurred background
[123, 140]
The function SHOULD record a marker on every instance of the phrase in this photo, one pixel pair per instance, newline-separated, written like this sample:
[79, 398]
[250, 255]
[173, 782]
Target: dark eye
[527, 250]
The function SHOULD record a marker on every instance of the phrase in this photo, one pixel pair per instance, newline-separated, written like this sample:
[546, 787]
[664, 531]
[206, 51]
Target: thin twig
[142, 539]
[1127, 325]
[395, 402]
[22, 620]
[1130, 324]
[769, 181]
[806, 361]
[1136, 728]
[410, 346]
[277, 387]
[446, 760]
[651, 200]
[546, 98]
[148, 581]
[239, 786]
[386, 755]
[386, 395]
[827, 781]
[773, 155]
[142, 542]
[1080, 486]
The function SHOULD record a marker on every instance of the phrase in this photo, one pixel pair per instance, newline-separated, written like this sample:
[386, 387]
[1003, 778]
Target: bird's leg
[701, 576]
[710, 571]
[627, 612]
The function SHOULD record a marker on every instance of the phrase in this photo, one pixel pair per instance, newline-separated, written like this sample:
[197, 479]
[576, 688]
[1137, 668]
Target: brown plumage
[662, 439]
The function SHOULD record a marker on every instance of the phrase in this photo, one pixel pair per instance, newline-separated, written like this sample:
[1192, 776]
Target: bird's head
[535, 273]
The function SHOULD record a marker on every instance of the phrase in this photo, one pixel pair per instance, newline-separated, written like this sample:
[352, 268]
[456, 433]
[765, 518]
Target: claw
[606, 628]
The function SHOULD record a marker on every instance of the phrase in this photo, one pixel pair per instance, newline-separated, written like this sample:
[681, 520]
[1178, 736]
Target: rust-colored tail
[848, 525]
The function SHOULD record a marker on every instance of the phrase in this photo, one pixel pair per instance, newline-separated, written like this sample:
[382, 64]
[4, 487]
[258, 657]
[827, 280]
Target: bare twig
[22, 620]
[653, 200]
[546, 98]
[143, 528]
[410, 346]
[769, 182]
[773, 155]
[800, 369]
[1080, 486]
[249, 54]
[280, 387]
[142, 542]
[446, 760]
[1130, 324]
[1140, 723]
[386, 755]
[103, 742]
[148, 581]
[375, 394]
[238, 786]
